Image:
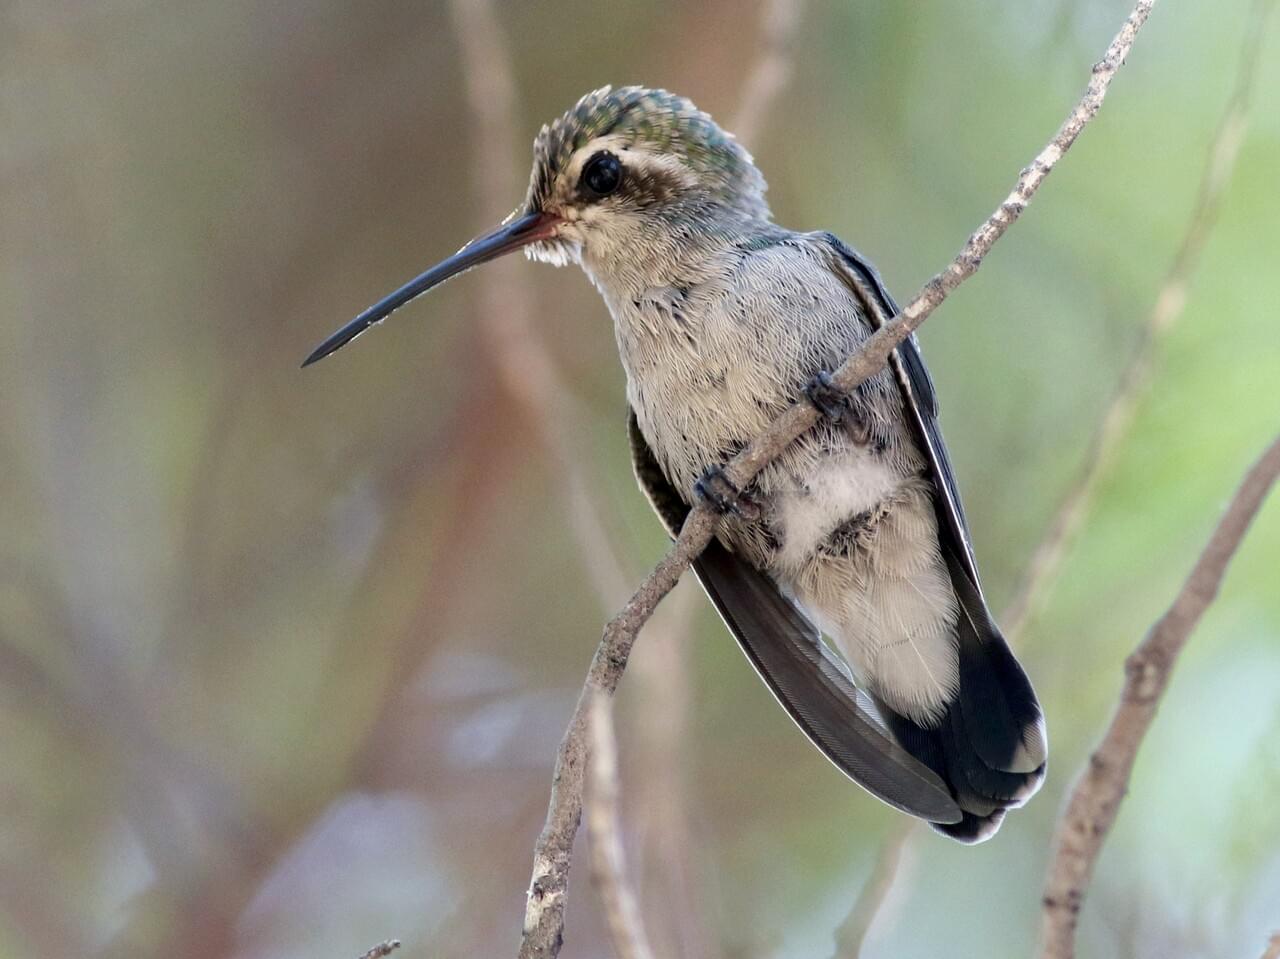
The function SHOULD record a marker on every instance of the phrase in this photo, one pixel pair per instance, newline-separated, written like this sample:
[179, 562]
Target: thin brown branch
[772, 71]
[608, 864]
[1134, 381]
[852, 935]
[525, 364]
[1273, 947]
[1095, 799]
[544, 913]
[382, 949]
[1169, 303]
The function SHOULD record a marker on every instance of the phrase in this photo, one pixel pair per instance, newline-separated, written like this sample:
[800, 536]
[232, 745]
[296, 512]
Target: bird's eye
[602, 174]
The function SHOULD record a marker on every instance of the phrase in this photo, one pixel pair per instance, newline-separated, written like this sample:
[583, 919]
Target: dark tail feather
[990, 746]
[787, 651]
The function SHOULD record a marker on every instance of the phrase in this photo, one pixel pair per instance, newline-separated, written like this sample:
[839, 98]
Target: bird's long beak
[520, 232]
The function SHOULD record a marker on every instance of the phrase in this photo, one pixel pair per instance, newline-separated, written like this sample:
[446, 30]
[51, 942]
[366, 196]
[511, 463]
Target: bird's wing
[919, 398]
[803, 675]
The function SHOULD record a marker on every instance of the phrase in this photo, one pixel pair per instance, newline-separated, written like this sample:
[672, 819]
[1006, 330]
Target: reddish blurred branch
[1170, 301]
[526, 367]
[1273, 947]
[1094, 801]
[544, 913]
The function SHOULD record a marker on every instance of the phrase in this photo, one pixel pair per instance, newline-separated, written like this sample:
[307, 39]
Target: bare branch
[772, 71]
[1170, 300]
[852, 935]
[1168, 307]
[1095, 800]
[382, 949]
[608, 864]
[544, 913]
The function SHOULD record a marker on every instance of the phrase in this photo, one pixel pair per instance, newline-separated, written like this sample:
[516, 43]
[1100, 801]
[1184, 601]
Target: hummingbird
[856, 533]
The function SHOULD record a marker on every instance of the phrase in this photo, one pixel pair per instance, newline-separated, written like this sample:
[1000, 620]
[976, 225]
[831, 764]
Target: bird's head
[625, 178]
[627, 172]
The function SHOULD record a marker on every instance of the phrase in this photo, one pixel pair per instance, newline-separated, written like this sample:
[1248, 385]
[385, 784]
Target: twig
[382, 949]
[1114, 427]
[1095, 799]
[544, 912]
[1273, 947]
[851, 936]
[772, 70]
[608, 865]
[1169, 303]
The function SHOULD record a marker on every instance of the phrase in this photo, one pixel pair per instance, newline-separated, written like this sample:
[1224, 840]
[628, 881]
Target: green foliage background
[284, 656]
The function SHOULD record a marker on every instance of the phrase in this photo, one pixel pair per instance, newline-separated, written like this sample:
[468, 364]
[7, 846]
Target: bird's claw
[827, 398]
[722, 495]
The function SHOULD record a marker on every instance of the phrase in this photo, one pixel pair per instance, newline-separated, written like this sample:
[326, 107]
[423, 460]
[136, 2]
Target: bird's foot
[827, 398]
[716, 489]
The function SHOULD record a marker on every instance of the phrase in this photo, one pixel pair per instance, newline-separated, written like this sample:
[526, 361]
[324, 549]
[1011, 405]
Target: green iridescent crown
[661, 121]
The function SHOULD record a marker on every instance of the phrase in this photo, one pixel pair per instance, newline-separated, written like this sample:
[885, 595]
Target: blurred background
[285, 655]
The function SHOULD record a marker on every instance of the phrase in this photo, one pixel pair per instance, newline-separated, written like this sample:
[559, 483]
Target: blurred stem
[525, 365]
[1135, 380]
[665, 670]
[662, 789]
[772, 71]
[1095, 800]
[852, 936]
[608, 864]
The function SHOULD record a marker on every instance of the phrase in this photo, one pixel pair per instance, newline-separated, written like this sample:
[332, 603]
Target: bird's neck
[664, 295]
[654, 254]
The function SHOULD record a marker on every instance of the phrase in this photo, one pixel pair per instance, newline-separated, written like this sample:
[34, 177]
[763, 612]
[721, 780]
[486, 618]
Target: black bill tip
[334, 343]
[520, 232]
